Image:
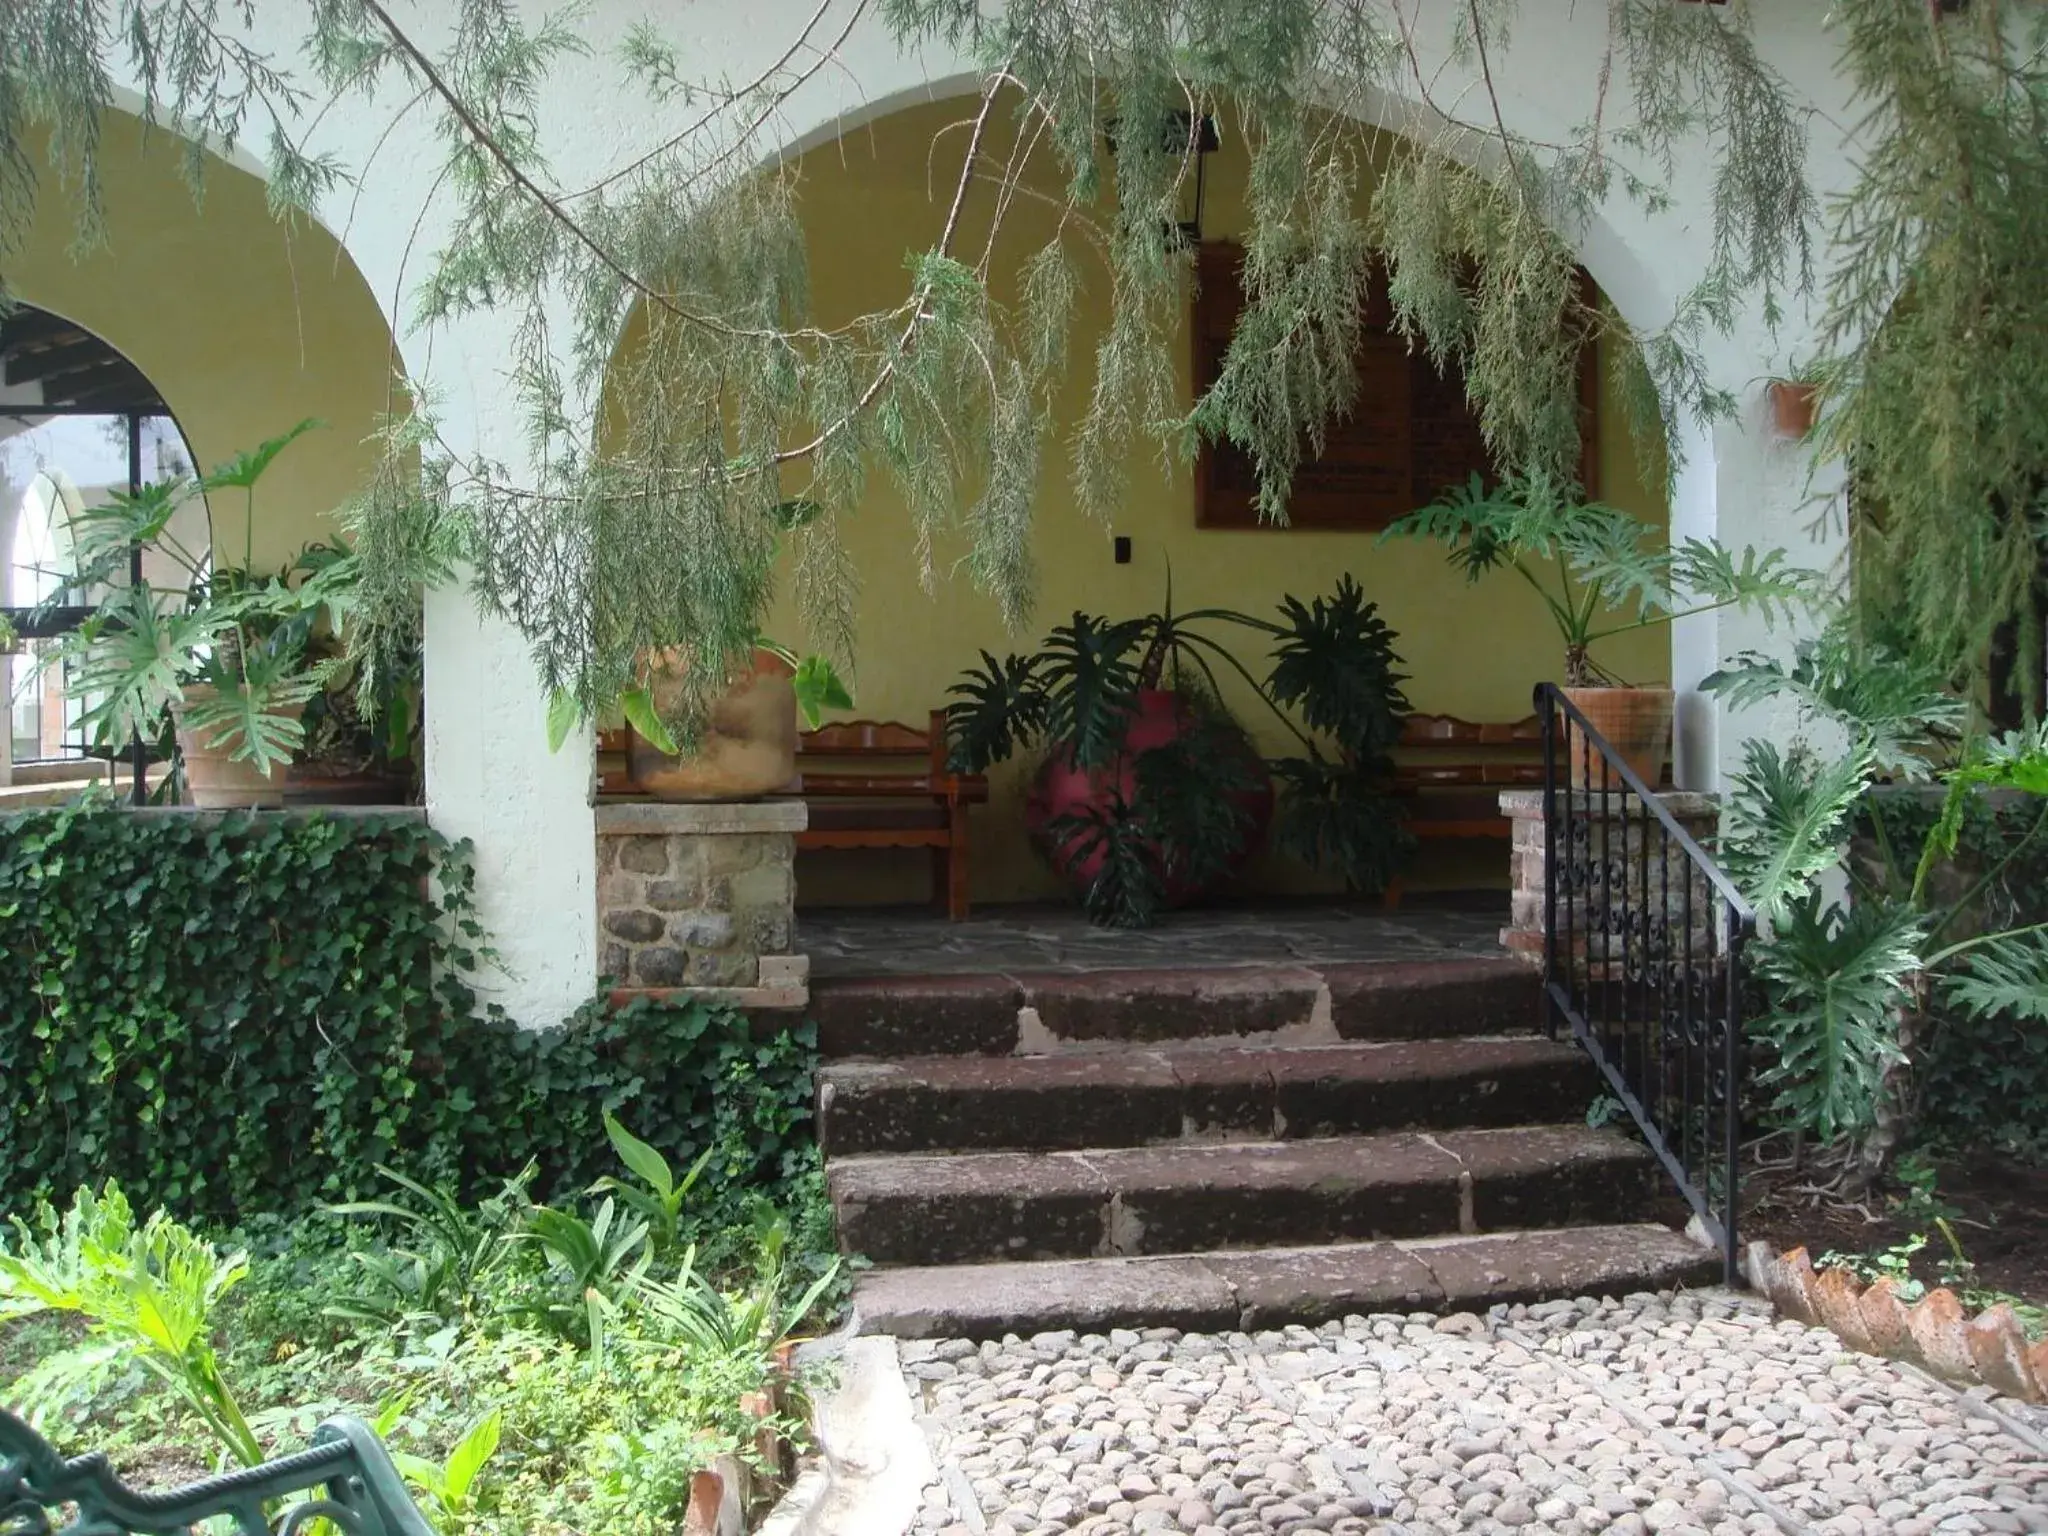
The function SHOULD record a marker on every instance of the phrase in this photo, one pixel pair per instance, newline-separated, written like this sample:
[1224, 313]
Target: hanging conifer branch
[659, 524]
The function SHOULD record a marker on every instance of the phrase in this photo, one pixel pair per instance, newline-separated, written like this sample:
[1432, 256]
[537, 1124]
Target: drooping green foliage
[1937, 326]
[653, 525]
[238, 1013]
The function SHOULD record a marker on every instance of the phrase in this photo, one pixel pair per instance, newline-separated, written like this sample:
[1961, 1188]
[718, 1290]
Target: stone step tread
[1391, 1157]
[1266, 1288]
[1143, 1066]
[921, 1208]
[1297, 1003]
[1142, 1095]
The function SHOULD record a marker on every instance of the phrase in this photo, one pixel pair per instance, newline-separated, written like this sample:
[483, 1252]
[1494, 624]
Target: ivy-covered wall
[242, 1013]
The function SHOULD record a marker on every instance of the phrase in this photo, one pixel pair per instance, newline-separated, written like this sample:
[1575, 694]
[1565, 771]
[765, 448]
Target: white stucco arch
[491, 777]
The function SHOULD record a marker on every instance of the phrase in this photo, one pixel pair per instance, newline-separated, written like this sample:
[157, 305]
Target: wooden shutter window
[1410, 434]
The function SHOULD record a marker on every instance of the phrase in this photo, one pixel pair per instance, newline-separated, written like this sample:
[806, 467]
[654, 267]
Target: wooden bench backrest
[882, 750]
[1444, 750]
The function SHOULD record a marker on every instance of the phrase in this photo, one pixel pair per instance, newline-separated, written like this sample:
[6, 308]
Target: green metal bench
[345, 1471]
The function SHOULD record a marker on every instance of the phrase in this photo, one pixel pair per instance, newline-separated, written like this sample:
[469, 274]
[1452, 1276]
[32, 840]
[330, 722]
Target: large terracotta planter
[214, 778]
[1061, 788]
[1636, 722]
[749, 744]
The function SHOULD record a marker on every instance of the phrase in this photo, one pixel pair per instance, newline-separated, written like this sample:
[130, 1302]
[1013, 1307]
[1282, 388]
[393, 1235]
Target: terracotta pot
[749, 745]
[1794, 407]
[214, 779]
[707, 1494]
[1636, 722]
[1061, 787]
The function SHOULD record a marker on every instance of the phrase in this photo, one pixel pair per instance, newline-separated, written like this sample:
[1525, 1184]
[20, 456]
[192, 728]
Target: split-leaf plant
[1599, 571]
[1855, 989]
[1173, 816]
[225, 647]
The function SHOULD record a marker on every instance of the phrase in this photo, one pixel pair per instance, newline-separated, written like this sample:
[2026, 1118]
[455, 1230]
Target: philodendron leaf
[245, 468]
[819, 687]
[563, 713]
[637, 704]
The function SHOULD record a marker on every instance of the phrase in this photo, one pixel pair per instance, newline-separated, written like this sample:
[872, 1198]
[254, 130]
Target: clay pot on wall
[215, 779]
[749, 744]
[1794, 407]
[1636, 722]
[1061, 788]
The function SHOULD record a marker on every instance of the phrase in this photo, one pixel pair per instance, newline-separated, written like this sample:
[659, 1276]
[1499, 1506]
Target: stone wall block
[769, 886]
[734, 855]
[694, 895]
[634, 924]
[643, 855]
[715, 968]
[661, 965]
[703, 930]
[684, 894]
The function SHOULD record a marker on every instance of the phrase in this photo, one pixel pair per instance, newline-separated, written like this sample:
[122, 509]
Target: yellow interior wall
[882, 192]
[244, 326]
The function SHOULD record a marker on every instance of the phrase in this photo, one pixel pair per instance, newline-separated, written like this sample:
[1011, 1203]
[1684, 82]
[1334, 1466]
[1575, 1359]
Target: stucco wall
[244, 326]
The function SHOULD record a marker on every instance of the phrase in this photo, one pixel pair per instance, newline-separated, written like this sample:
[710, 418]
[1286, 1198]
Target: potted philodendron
[1602, 573]
[741, 743]
[1150, 793]
[221, 651]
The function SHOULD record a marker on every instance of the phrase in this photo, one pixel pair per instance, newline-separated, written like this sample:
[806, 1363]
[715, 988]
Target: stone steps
[1144, 1096]
[1221, 1148]
[1233, 1290]
[890, 1017]
[974, 1207]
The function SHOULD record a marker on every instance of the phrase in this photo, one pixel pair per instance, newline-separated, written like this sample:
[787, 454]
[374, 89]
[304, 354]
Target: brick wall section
[692, 896]
[1699, 814]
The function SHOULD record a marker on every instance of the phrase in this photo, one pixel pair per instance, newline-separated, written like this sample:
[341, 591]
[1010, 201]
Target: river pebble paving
[1689, 1414]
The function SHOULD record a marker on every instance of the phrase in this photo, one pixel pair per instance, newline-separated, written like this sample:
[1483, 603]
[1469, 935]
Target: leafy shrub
[240, 1014]
[1983, 1079]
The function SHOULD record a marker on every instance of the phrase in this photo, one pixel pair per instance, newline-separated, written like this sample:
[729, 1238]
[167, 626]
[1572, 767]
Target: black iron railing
[1643, 960]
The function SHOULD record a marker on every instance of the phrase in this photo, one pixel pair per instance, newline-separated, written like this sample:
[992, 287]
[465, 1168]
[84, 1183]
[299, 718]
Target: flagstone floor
[874, 941]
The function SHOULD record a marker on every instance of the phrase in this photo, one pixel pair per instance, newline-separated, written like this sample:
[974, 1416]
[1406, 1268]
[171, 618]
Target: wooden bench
[346, 1472]
[1449, 773]
[881, 784]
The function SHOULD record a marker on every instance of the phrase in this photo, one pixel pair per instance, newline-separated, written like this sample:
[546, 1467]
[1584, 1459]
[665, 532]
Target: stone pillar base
[700, 901]
[1699, 814]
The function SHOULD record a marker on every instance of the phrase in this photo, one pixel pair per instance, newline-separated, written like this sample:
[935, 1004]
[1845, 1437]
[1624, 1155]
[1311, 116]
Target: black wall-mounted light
[1178, 136]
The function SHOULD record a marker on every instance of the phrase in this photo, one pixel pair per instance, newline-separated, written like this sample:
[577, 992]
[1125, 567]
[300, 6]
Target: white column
[490, 776]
